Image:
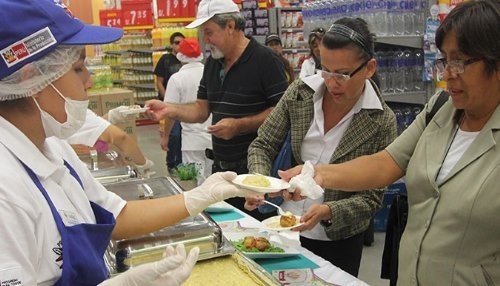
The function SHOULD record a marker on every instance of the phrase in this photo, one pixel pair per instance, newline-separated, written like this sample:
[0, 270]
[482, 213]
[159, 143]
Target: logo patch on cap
[27, 47]
[59, 3]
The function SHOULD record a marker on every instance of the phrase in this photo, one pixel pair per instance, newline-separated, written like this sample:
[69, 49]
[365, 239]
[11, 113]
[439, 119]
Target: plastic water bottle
[408, 12]
[343, 8]
[418, 69]
[381, 18]
[397, 12]
[399, 79]
[391, 71]
[419, 17]
[399, 120]
[409, 74]
[369, 15]
[306, 18]
[382, 70]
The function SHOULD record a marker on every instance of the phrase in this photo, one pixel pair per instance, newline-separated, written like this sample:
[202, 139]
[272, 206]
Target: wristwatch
[325, 223]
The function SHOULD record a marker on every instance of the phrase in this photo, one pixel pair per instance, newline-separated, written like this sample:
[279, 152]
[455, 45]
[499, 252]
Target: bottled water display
[384, 17]
[405, 114]
[400, 70]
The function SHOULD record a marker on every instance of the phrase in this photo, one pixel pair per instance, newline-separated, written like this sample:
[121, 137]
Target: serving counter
[219, 262]
[324, 272]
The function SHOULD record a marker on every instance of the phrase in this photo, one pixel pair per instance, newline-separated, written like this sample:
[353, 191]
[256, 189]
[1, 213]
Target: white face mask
[76, 111]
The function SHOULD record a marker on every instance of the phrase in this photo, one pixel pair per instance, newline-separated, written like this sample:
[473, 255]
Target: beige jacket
[453, 232]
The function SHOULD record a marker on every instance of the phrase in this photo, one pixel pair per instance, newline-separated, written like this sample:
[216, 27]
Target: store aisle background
[148, 137]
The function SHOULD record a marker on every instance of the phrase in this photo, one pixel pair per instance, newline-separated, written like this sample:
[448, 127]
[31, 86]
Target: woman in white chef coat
[56, 218]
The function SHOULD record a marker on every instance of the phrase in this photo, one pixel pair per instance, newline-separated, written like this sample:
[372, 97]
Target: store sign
[111, 18]
[137, 14]
[169, 8]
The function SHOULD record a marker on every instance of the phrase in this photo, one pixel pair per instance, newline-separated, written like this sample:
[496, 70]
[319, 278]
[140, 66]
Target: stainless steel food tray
[199, 231]
[108, 167]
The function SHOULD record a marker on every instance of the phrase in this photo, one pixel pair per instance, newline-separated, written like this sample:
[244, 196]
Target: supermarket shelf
[291, 30]
[295, 50]
[141, 51]
[176, 20]
[407, 41]
[118, 53]
[139, 69]
[143, 85]
[291, 8]
[407, 97]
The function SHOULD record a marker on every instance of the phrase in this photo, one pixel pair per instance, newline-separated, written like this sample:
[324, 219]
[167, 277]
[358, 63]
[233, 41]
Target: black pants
[174, 155]
[240, 167]
[345, 253]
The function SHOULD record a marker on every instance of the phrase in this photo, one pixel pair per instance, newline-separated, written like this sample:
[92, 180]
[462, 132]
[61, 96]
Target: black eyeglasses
[177, 42]
[342, 78]
[455, 66]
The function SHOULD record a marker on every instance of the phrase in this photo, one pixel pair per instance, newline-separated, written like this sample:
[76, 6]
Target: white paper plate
[289, 251]
[133, 111]
[273, 223]
[276, 184]
[219, 207]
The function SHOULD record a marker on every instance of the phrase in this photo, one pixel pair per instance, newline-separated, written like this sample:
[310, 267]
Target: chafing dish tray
[108, 166]
[199, 231]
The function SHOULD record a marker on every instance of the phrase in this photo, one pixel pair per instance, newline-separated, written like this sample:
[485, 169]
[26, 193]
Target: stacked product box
[257, 20]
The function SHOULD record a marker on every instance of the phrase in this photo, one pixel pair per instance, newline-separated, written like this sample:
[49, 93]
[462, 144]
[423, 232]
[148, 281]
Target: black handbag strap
[442, 98]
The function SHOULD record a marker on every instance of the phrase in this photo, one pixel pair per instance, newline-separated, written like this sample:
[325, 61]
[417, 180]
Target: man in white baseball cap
[210, 8]
[242, 81]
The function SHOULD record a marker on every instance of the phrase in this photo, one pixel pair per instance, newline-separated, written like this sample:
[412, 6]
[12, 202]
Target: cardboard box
[128, 127]
[116, 97]
[95, 103]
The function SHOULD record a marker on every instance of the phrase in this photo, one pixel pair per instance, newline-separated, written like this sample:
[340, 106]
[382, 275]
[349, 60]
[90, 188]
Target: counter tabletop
[236, 221]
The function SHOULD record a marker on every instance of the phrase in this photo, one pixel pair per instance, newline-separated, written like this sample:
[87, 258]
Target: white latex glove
[116, 117]
[172, 270]
[145, 171]
[215, 188]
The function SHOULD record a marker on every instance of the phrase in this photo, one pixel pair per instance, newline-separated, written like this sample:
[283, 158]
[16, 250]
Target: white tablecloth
[326, 271]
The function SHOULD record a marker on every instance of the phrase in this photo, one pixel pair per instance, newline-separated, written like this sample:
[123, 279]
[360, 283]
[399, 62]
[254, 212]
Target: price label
[135, 14]
[111, 18]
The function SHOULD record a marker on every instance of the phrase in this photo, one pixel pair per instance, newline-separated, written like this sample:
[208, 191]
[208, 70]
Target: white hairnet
[37, 75]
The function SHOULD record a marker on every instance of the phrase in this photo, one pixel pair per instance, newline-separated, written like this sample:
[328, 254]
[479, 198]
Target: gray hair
[222, 19]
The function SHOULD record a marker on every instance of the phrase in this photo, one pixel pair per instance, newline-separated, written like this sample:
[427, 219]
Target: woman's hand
[315, 214]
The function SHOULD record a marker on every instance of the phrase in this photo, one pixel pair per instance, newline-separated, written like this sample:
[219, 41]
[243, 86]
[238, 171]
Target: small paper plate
[219, 207]
[133, 111]
[276, 184]
[273, 223]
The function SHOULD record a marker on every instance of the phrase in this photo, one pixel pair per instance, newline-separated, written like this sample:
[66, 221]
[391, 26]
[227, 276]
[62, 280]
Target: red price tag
[137, 14]
[111, 18]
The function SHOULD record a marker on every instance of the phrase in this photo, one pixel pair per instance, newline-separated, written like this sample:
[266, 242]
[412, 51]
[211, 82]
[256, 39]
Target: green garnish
[239, 245]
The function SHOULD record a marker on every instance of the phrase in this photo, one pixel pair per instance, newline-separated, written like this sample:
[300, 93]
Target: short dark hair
[334, 41]
[477, 28]
[175, 35]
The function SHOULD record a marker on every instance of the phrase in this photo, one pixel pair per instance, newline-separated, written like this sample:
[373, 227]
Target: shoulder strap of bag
[442, 98]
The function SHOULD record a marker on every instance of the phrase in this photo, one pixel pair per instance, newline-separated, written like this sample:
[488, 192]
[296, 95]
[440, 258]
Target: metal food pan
[199, 231]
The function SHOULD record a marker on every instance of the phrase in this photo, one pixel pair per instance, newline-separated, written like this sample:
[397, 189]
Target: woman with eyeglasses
[451, 165]
[333, 116]
[313, 62]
